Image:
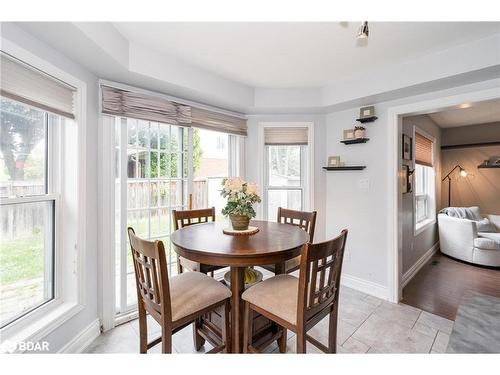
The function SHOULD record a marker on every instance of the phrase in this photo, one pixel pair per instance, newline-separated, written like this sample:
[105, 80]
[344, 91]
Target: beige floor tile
[386, 336]
[437, 322]
[399, 313]
[355, 346]
[441, 342]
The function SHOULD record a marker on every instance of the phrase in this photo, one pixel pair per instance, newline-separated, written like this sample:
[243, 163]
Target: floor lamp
[463, 173]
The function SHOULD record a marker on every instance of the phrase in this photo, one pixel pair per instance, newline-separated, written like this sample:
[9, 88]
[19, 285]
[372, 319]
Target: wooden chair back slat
[319, 279]
[302, 219]
[151, 273]
[190, 217]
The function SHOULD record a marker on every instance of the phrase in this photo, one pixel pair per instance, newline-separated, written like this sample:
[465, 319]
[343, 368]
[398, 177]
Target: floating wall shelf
[367, 119]
[354, 141]
[346, 168]
[488, 166]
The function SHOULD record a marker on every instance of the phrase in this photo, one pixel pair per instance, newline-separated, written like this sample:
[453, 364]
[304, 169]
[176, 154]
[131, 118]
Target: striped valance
[143, 106]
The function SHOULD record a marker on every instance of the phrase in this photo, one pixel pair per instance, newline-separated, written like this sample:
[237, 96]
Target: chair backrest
[189, 217]
[302, 219]
[151, 276]
[319, 278]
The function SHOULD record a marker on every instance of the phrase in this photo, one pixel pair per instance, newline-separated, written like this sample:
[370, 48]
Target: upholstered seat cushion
[487, 241]
[278, 295]
[190, 264]
[193, 291]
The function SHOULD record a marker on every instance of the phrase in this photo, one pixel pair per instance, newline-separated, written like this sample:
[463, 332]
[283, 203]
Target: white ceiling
[472, 114]
[285, 55]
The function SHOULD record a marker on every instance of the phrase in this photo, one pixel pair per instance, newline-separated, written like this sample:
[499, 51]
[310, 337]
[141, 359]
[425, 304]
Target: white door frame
[394, 235]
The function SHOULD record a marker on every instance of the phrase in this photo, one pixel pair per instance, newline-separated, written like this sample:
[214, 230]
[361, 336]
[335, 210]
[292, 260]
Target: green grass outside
[21, 259]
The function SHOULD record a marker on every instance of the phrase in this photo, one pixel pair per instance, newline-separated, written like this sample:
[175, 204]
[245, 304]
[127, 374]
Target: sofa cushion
[485, 225]
[470, 213]
[487, 241]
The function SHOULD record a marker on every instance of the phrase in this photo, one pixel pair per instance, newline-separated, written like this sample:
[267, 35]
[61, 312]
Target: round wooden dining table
[206, 243]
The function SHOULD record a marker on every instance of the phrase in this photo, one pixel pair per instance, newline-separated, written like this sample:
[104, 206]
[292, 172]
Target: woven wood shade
[285, 136]
[423, 150]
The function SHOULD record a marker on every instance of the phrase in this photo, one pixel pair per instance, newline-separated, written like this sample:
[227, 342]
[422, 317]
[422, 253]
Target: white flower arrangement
[241, 196]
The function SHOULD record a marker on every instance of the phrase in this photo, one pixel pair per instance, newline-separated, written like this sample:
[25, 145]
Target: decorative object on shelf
[462, 173]
[241, 196]
[407, 149]
[354, 141]
[334, 161]
[406, 179]
[363, 31]
[349, 134]
[367, 114]
[246, 232]
[346, 168]
[252, 276]
[359, 132]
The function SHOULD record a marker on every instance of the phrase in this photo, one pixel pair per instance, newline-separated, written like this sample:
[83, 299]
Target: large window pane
[291, 199]
[211, 165]
[26, 258]
[284, 165]
[23, 150]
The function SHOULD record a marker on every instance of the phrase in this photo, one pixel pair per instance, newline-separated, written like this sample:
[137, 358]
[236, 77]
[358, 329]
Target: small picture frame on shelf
[407, 149]
[334, 161]
[366, 112]
[349, 134]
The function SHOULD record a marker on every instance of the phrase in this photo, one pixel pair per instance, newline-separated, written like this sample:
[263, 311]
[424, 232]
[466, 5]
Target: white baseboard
[81, 341]
[365, 286]
[418, 264]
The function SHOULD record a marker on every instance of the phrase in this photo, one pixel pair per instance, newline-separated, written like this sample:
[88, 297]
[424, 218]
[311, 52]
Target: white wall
[366, 213]
[254, 162]
[415, 246]
[71, 328]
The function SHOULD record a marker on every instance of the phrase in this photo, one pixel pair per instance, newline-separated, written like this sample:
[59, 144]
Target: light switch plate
[364, 184]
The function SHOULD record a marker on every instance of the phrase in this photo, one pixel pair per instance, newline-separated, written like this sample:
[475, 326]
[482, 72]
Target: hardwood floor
[439, 286]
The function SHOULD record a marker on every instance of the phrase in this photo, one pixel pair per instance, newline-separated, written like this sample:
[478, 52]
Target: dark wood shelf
[467, 145]
[367, 119]
[346, 168]
[488, 166]
[354, 141]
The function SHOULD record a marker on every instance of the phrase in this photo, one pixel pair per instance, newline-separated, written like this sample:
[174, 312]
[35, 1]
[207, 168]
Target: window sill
[37, 325]
[423, 226]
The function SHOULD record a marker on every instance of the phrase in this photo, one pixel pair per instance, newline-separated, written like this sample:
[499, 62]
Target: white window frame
[106, 290]
[68, 178]
[301, 187]
[307, 160]
[430, 181]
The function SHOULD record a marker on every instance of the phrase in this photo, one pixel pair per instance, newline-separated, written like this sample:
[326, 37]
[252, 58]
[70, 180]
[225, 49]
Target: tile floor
[366, 325]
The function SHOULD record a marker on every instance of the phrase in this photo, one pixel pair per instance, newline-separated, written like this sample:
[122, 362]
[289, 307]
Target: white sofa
[464, 234]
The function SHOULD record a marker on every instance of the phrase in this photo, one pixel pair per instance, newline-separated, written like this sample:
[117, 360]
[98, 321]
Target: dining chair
[302, 219]
[190, 217]
[298, 304]
[176, 302]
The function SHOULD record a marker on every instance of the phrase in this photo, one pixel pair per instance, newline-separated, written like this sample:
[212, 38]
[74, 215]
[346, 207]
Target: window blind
[143, 107]
[24, 83]
[423, 150]
[285, 136]
[211, 120]
[149, 107]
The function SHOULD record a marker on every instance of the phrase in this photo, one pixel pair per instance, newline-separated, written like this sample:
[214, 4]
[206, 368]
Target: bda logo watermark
[24, 346]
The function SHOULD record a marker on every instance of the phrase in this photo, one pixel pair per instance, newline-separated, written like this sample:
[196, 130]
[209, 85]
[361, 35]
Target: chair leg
[226, 338]
[301, 342]
[332, 332]
[197, 339]
[247, 328]
[143, 330]
[166, 341]
[282, 340]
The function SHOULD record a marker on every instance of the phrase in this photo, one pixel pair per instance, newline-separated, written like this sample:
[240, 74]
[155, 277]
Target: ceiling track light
[363, 31]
